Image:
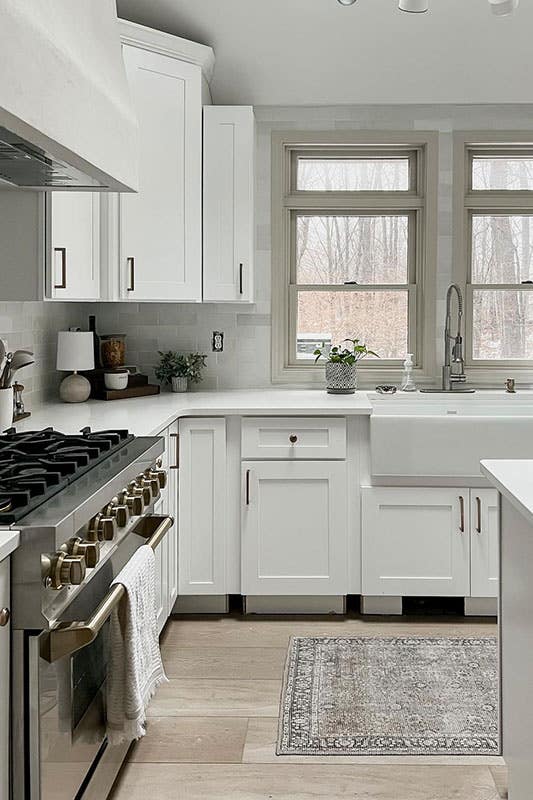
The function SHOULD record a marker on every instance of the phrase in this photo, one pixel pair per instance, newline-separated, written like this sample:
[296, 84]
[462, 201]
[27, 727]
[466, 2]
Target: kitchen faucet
[453, 371]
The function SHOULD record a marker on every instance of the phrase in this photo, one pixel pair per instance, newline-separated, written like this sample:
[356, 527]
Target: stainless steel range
[83, 504]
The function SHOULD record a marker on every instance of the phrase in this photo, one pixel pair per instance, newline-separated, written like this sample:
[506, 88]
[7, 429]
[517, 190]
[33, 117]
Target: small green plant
[179, 365]
[344, 355]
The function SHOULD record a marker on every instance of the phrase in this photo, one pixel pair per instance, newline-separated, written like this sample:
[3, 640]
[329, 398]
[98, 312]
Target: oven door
[65, 682]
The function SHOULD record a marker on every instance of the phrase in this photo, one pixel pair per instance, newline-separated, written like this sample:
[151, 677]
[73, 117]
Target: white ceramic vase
[6, 408]
[179, 384]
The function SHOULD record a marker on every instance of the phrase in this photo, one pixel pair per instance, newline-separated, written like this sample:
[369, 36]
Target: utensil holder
[6, 408]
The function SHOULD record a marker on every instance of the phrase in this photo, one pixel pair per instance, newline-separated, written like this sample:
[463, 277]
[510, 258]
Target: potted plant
[178, 369]
[341, 364]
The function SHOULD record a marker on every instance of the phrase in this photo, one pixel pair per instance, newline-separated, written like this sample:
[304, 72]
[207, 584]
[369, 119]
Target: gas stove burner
[37, 464]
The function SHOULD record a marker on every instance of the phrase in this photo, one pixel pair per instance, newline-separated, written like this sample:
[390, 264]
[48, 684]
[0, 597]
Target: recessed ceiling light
[414, 6]
[346, 2]
[502, 8]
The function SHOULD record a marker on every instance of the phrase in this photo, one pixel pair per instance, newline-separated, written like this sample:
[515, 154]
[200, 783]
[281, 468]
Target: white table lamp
[75, 351]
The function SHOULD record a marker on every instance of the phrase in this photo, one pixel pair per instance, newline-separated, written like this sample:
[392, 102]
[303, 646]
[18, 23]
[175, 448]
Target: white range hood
[66, 117]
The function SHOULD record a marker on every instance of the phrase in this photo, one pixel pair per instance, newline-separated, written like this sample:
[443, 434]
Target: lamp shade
[75, 350]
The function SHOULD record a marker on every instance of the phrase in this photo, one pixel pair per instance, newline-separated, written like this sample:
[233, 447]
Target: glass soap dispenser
[408, 384]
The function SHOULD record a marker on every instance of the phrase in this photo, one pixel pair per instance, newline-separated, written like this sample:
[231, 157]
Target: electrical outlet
[217, 342]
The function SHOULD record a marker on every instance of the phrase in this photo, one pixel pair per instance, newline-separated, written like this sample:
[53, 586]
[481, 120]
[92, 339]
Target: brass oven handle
[64, 641]
[241, 291]
[131, 264]
[462, 507]
[176, 436]
[63, 251]
[478, 505]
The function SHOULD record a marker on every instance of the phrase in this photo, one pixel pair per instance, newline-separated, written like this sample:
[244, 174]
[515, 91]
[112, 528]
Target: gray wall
[246, 361]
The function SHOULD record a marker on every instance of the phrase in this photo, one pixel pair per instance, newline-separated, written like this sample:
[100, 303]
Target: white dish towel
[135, 669]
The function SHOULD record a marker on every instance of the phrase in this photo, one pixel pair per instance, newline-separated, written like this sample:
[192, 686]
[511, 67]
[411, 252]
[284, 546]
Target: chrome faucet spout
[453, 371]
[454, 367]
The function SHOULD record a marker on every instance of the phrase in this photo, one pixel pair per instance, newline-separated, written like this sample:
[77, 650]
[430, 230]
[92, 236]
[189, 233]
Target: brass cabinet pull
[478, 505]
[131, 264]
[247, 487]
[241, 291]
[293, 438]
[5, 614]
[63, 251]
[73, 636]
[176, 436]
[462, 507]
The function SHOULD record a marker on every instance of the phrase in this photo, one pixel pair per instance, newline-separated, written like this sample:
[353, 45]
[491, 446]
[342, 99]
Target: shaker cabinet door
[415, 541]
[228, 203]
[161, 225]
[485, 542]
[5, 638]
[294, 521]
[73, 245]
[202, 506]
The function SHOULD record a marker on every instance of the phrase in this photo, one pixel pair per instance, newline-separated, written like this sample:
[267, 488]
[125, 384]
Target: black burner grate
[36, 465]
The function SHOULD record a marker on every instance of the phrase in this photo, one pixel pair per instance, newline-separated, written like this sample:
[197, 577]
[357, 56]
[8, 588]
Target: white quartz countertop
[145, 416]
[514, 480]
[9, 541]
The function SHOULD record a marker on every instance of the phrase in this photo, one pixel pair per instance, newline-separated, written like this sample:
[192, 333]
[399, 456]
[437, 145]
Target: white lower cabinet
[415, 542]
[485, 543]
[202, 506]
[5, 638]
[294, 528]
[166, 554]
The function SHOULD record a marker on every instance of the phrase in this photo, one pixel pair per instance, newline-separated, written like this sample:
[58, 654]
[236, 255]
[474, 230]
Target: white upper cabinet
[73, 245]
[228, 204]
[161, 226]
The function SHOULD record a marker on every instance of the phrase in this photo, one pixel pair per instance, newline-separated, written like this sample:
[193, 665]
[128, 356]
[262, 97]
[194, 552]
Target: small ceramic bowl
[117, 379]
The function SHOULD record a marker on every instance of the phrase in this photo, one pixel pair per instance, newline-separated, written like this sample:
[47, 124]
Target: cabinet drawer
[292, 437]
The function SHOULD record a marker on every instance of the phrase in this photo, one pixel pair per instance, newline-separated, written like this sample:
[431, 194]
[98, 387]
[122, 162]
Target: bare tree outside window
[339, 256]
[502, 261]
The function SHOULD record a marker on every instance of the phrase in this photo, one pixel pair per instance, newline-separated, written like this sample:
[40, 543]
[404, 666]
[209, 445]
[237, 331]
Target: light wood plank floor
[212, 728]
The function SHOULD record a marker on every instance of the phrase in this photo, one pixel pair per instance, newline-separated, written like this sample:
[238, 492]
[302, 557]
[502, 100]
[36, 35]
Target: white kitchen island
[514, 481]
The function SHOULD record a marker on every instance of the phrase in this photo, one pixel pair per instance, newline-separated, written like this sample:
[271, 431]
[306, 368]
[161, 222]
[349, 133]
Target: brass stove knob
[89, 550]
[152, 483]
[134, 502]
[102, 529]
[158, 474]
[142, 491]
[107, 529]
[68, 571]
[119, 510]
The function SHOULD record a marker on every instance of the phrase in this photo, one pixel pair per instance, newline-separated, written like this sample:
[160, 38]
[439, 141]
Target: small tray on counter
[130, 391]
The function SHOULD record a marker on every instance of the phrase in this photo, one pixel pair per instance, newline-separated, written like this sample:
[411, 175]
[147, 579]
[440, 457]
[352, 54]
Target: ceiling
[317, 52]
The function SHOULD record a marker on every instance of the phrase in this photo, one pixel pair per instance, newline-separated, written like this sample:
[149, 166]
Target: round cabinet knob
[293, 438]
[134, 503]
[4, 617]
[69, 571]
[89, 550]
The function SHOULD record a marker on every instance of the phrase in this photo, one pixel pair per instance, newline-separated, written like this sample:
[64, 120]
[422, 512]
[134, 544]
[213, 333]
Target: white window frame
[468, 202]
[420, 203]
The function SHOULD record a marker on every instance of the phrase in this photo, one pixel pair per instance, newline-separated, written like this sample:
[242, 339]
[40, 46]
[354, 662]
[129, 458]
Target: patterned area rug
[390, 696]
